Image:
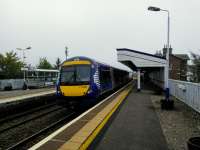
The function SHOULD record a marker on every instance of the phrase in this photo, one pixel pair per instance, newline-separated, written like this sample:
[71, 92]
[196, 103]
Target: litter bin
[194, 143]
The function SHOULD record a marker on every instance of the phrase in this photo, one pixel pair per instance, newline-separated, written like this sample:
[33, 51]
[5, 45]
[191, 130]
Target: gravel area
[14, 93]
[179, 124]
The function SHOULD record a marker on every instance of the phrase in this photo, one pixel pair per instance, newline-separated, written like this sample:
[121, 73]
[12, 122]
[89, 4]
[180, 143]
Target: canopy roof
[136, 59]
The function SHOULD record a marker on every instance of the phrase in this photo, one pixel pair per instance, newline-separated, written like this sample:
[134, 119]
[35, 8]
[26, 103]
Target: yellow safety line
[92, 136]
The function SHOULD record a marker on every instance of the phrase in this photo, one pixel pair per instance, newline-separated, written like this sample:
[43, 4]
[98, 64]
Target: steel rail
[24, 113]
[28, 120]
[26, 140]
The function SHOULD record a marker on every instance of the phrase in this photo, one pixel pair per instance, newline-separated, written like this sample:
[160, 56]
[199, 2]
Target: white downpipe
[138, 80]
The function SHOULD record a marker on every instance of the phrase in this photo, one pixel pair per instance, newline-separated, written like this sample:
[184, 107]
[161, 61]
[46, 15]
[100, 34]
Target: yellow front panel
[77, 62]
[74, 90]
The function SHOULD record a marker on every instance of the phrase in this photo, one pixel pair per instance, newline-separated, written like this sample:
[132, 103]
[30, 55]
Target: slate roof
[182, 56]
[139, 52]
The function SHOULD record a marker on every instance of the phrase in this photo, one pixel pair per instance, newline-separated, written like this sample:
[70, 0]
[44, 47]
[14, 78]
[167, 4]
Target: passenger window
[105, 76]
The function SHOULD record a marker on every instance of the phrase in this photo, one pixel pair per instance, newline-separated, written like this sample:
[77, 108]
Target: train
[85, 77]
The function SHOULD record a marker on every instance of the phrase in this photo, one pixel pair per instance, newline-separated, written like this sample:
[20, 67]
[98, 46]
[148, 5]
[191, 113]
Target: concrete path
[15, 93]
[134, 127]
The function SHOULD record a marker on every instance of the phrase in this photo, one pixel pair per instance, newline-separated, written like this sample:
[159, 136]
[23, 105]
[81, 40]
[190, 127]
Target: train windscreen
[75, 75]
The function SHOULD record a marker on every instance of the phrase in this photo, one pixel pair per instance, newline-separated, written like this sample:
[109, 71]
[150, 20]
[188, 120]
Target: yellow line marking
[94, 126]
[92, 136]
[52, 136]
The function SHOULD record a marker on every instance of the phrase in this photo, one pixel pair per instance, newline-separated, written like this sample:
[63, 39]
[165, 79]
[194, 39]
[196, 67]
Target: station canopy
[136, 59]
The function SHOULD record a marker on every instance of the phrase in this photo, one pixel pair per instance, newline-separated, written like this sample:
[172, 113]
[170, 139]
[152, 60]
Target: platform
[128, 121]
[16, 95]
[134, 126]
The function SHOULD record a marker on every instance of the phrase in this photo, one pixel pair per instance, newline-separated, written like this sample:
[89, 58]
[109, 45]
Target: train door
[105, 79]
[112, 77]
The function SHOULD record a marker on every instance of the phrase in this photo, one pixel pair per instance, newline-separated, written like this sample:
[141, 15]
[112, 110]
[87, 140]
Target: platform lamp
[23, 59]
[167, 103]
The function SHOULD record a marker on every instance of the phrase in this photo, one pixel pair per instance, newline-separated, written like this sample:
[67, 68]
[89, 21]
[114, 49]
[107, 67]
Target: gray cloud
[96, 28]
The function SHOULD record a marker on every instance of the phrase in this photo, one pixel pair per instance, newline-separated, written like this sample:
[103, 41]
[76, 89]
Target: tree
[44, 64]
[196, 70]
[1, 61]
[58, 63]
[1, 66]
[10, 66]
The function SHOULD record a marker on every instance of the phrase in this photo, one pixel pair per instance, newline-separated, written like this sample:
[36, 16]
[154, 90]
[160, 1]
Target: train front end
[76, 79]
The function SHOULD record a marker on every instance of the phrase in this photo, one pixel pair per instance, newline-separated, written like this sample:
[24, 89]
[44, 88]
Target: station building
[153, 66]
[177, 65]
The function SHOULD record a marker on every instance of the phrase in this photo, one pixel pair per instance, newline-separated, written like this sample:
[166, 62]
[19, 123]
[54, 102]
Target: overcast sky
[95, 28]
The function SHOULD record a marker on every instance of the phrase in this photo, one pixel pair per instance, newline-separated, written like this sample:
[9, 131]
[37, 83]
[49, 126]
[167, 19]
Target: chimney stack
[165, 50]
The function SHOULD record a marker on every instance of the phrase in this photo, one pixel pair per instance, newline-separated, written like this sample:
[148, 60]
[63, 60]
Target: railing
[187, 92]
[11, 84]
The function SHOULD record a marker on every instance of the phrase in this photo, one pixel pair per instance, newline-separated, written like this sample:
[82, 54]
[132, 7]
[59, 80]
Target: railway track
[27, 120]
[31, 137]
[19, 129]
[11, 117]
[27, 131]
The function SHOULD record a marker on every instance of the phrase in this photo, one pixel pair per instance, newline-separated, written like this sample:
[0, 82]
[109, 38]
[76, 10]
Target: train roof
[95, 61]
[80, 58]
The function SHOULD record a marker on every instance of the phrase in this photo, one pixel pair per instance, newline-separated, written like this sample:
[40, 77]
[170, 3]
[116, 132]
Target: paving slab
[135, 126]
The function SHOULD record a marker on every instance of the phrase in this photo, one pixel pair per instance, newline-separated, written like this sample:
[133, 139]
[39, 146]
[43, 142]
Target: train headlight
[58, 92]
[89, 91]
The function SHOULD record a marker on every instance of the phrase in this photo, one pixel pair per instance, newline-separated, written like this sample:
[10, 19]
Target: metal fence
[11, 83]
[187, 92]
[19, 83]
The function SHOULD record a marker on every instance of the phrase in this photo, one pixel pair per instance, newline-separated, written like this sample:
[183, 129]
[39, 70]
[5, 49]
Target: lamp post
[66, 52]
[23, 59]
[168, 103]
